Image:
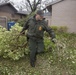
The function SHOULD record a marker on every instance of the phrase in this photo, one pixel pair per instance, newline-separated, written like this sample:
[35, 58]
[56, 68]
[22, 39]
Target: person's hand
[54, 40]
[22, 33]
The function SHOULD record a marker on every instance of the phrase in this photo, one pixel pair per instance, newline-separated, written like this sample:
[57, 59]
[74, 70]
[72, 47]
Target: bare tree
[29, 5]
[34, 4]
[23, 5]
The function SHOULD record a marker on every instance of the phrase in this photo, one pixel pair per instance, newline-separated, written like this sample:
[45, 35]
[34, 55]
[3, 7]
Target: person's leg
[40, 46]
[33, 49]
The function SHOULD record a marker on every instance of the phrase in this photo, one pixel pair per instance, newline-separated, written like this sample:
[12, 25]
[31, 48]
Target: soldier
[35, 27]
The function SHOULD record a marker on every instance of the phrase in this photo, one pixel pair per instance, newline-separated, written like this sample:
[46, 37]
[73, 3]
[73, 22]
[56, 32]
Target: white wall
[64, 13]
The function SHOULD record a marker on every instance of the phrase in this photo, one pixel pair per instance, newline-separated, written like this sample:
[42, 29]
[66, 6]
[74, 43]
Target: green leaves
[60, 60]
[11, 43]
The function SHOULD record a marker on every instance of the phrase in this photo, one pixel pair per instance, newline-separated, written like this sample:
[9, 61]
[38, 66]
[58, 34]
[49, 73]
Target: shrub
[55, 28]
[12, 45]
[60, 29]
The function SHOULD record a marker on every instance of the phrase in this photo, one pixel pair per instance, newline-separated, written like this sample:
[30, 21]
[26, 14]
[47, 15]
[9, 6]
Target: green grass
[56, 62]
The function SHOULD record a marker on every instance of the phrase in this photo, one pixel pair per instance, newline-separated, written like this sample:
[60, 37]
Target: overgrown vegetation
[60, 29]
[12, 45]
[58, 59]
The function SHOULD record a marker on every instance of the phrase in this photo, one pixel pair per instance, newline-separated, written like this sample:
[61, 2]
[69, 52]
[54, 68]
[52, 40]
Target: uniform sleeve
[49, 30]
[25, 26]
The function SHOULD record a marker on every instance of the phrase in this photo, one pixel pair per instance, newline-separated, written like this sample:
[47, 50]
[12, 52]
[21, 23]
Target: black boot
[32, 64]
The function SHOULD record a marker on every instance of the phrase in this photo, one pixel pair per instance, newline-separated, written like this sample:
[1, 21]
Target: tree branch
[34, 5]
[30, 4]
[39, 2]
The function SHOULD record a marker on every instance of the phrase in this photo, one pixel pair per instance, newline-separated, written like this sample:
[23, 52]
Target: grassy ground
[57, 62]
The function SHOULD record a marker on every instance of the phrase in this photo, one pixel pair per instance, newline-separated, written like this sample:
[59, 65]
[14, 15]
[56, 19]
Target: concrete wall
[64, 14]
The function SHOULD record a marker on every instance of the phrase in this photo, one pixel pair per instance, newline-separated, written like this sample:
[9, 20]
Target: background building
[63, 13]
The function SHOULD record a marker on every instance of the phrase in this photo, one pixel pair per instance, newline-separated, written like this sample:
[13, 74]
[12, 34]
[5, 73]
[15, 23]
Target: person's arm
[25, 27]
[50, 31]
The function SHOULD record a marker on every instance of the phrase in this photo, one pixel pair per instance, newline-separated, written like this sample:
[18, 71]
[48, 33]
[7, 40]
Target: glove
[54, 40]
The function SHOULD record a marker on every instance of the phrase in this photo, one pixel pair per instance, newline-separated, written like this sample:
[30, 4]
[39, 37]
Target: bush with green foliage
[61, 60]
[12, 45]
[60, 29]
